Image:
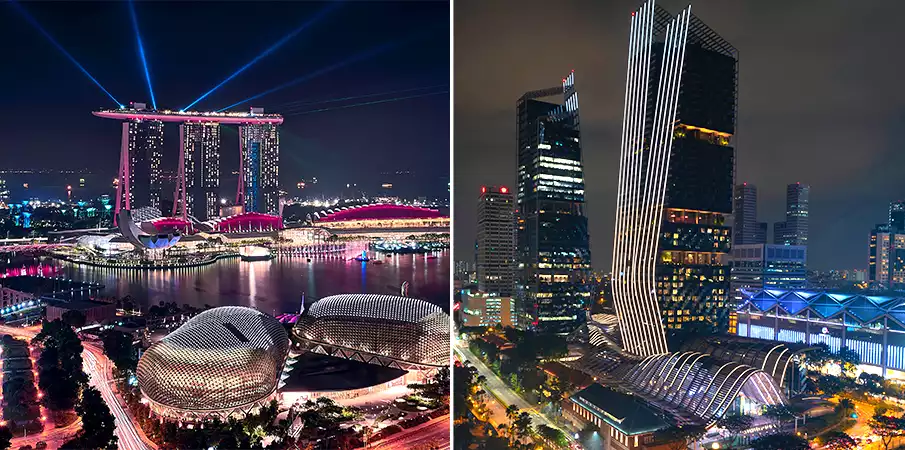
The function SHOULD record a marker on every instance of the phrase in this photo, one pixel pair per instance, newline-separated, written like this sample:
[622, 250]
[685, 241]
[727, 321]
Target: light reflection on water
[274, 286]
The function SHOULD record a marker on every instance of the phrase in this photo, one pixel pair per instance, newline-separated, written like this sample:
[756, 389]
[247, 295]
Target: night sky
[820, 102]
[46, 102]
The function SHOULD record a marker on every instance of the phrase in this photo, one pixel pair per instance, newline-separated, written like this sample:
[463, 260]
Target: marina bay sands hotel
[198, 181]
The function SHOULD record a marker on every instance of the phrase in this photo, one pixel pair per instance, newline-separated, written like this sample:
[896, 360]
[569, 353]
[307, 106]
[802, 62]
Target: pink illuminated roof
[252, 219]
[192, 116]
[382, 212]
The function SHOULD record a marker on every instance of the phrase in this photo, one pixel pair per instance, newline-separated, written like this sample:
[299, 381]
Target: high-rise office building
[886, 264]
[496, 241]
[794, 231]
[767, 266]
[878, 262]
[259, 172]
[747, 229]
[198, 181]
[553, 252]
[670, 253]
[140, 159]
[897, 216]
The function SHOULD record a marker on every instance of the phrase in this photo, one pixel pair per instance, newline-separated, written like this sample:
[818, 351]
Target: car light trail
[364, 55]
[141, 52]
[59, 47]
[292, 105]
[317, 17]
[375, 102]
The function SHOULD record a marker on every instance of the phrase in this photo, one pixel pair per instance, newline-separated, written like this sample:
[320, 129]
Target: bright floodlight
[59, 47]
[141, 53]
[330, 7]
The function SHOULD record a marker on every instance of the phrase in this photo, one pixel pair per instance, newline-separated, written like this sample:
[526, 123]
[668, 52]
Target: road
[131, 436]
[433, 434]
[96, 365]
[497, 388]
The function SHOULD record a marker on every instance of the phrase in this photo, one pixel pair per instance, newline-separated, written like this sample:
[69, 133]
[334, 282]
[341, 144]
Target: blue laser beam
[141, 52]
[62, 50]
[364, 55]
[317, 17]
[288, 107]
[375, 102]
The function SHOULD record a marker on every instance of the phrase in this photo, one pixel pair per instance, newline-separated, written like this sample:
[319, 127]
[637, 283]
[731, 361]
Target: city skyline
[337, 98]
[816, 153]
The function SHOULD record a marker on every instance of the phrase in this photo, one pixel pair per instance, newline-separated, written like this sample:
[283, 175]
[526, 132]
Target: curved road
[434, 432]
[130, 435]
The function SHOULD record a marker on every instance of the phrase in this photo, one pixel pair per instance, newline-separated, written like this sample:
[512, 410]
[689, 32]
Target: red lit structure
[381, 211]
[247, 222]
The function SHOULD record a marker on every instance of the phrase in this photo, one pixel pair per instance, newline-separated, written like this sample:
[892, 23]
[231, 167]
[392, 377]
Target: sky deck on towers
[238, 118]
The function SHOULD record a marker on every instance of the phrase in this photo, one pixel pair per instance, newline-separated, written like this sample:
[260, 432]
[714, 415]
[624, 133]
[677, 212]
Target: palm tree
[845, 406]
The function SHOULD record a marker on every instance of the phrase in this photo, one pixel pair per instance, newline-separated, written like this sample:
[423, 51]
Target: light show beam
[375, 102]
[364, 55]
[141, 52]
[317, 17]
[293, 105]
[62, 50]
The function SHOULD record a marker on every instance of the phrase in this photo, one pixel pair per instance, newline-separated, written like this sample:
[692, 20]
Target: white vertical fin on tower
[643, 172]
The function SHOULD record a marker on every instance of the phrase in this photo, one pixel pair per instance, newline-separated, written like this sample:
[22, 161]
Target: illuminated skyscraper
[496, 241]
[259, 173]
[553, 254]
[747, 229]
[198, 182]
[897, 216]
[670, 253]
[140, 158]
[794, 231]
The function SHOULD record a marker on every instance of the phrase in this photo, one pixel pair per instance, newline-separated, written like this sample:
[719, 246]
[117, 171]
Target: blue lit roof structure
[858, 309]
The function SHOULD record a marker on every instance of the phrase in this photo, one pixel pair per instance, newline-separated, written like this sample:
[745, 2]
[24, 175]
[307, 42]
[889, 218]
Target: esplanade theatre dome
[224, 362]
[388, 330]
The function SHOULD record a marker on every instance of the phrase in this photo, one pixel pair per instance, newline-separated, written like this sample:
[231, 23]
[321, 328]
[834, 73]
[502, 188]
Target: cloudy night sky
[820, 102]
[46, 101]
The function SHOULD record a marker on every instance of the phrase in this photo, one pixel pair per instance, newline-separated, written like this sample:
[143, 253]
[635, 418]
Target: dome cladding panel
[222, 358]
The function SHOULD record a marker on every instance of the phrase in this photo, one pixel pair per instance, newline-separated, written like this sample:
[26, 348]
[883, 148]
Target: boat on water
[377, 261]
[363, 257]
[432, 257]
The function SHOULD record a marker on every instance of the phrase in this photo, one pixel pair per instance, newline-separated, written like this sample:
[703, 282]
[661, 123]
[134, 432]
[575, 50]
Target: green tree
[871, 383]
[679, 437]
[781, 441]
[522, 425]
[552, 435]
[847, 359]
[74, 318]
[118, 347]
[436, 389]
[845, 406]
[820, 356]
[97, 423]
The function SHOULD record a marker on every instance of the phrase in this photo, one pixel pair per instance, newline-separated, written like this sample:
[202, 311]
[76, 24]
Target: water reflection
[274, 286]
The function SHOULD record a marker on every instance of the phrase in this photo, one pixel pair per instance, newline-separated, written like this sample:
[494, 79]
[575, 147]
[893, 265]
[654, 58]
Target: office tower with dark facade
[767, 266]
[670, 253]
[496, 241]
[140, 174]
[553, 252]
[747, 229]
[198, 183]
[259, 171]
[794, 231]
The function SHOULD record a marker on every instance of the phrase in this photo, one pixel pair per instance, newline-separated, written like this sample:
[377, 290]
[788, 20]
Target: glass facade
[260, 148]
[201, 141]
[553, 249]
[145, 141]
